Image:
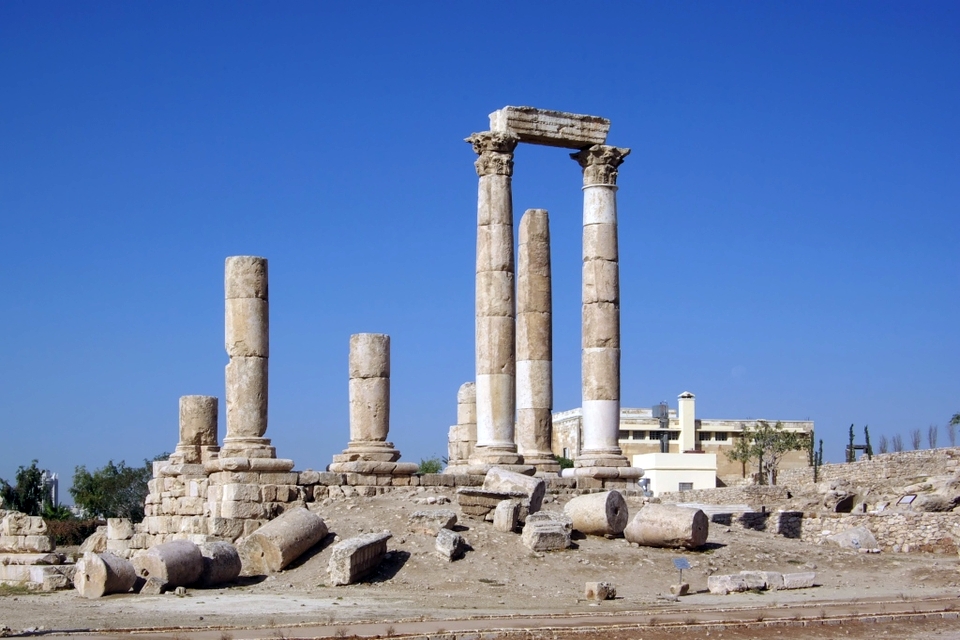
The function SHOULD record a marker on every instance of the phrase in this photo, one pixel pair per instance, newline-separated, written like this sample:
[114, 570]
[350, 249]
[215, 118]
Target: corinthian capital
[496, 152]
[600, 163]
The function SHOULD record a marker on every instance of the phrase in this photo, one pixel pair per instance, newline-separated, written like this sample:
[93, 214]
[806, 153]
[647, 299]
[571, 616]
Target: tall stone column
[247, 341]
[198, 430]
[368, 451]
[601, 308]
[535, 343]
[495, 319]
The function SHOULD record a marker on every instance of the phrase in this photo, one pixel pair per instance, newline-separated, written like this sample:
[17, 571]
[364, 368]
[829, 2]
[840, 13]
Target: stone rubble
[354, 558]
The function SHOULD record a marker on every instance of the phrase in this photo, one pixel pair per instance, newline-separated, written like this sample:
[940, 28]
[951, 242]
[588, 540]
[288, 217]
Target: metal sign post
[681, 564]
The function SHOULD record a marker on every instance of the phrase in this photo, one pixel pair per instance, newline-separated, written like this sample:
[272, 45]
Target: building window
[566, 453]
[639, 435]
[704, 436]
[686, 486]
[673, 435]
[624, 435]
[720, 436]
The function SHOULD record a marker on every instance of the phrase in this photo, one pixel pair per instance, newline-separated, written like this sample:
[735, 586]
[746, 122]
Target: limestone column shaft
[198, 430]
[495, 306]
[535, 343]
[600, 363]
[247, 341]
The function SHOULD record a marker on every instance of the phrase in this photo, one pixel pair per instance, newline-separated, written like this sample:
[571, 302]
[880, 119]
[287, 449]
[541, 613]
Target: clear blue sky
[789, 215]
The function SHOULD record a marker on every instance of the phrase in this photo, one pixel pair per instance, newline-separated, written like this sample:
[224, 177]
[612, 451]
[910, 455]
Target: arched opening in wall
[845, 505]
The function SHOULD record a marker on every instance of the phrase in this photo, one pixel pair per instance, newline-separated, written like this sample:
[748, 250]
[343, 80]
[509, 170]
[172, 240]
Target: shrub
[432, 465]
[68, 533]
[565, 463]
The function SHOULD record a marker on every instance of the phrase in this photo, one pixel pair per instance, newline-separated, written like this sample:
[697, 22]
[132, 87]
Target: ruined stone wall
[905, 466]
[755, 496]
[894, 531]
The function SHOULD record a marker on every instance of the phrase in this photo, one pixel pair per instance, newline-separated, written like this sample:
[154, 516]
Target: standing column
[601, 308]
[247, 340]
[198, 430]
[535, 343]
[495, 319]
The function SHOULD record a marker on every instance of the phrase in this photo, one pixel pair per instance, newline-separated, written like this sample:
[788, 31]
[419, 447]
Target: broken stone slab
[96, 542]
[506, 516]
[450, 545]
[599, 591]
[119, 529]
[100, 574]
[478, 502]
[663, 525]
[551, 128]
[802, 580]
[503, 480]
[356, 557]
[855, 538]
[771, 580]
[431, 522]
[545, 536]
[151, 587]
[281, 541]
[175, 563]
[681, 589]
[598, 514]
[722, 585]
[221, 563]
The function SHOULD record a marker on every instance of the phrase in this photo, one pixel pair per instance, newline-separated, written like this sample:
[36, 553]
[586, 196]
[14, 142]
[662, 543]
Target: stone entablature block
[551, 128]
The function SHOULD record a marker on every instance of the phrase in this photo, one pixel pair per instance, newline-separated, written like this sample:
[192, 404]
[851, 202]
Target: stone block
[552, 128]
[356, 557]
[245, 277]
[242, 510]
[15, 523]
[37, 544]
[545, 536]
[599, 591]
[431, 522]
[681, 589]
[278, 477]
[506, 516]
[234, 477]
[771, 580]
[242, 492]
[190, 506]
[502, 480]
[855, 538]
[449, 545]
[307, 477]
[803, 580]
[227, 528]
[724, 584]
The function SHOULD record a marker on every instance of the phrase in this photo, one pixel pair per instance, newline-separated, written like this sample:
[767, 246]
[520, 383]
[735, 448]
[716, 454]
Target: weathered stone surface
[15, 523]
[545, 535]
[770, 580]
[369, 355]
[505, 481]
[247, 327]
[803, 580]
[151, 587]
[245, 277]
[505, 516]
[356, 557]
[662, 525]
[96, 542]
[221, 563]
[680, 589]
[598, 514]
[855, 538]
[175, 563]
[599, 591]
[369, 409]
[724, 584]
[467, 404]
[431, 522]
[450, 545]
[281, 541]
[552, 128]
[101, 574]
[246, 390]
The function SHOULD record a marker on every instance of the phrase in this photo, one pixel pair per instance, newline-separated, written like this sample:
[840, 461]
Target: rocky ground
[415, 591]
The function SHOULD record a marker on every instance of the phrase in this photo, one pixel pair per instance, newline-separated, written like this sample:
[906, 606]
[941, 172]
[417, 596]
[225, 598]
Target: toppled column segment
[178, 563]
[281, 541]
[101, 574]
[221, 564]
[354, 558]
[598, 514]
[664, 525]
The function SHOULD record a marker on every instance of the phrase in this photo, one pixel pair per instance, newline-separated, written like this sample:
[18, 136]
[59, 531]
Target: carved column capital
[496, 152]
[600, 163]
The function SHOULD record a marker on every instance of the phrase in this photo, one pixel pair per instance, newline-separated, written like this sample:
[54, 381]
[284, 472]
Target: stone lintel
[270, 465]
[551, 128]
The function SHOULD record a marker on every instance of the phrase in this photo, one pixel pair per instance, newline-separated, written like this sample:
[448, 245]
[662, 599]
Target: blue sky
[788, 217]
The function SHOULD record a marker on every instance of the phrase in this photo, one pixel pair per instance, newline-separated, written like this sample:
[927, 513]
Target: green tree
[771, 443]
[851, 452]
[741, 451]
[29, 493]
[866, 435]
[114, 490]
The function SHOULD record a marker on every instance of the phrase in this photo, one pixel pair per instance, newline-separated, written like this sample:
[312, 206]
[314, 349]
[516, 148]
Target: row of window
[702, 436]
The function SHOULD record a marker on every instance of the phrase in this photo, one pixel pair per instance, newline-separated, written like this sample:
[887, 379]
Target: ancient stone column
[535, 343]
[369, 387]
[462, 437]
[247, 340]
[198, 430]
[495, 319]
[601, 308]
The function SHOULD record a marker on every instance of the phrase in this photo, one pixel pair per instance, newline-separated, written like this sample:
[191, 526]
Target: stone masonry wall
[755, 496]
[905, 466]
[894, 531]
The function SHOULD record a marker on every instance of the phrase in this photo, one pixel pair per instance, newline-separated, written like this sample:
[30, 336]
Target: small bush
[433, 465]
[565, 463]
[69, 533]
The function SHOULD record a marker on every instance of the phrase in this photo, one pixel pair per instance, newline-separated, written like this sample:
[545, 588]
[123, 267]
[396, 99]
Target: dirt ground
[500, 584]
